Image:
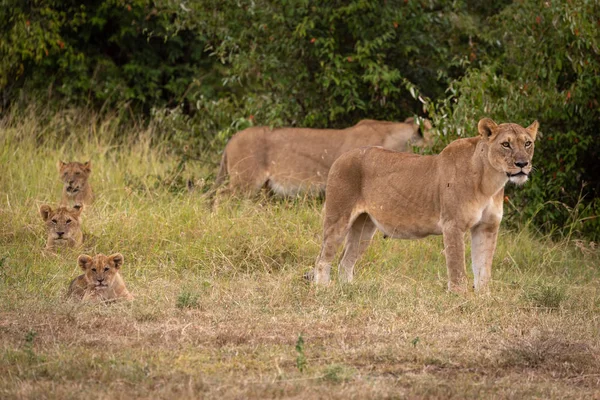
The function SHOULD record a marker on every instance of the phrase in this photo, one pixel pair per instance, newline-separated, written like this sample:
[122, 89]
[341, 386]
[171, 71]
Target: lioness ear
[409, 120]
[117, 259]
[532, 129]
[45, 212]
[87, 166]
[84, 261]
[486, 128]
[60, 164]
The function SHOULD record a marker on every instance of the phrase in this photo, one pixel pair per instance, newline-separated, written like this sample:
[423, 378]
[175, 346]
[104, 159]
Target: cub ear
[409, 120]
[87, 166]
[84, 261]
[486, 127]
[117, 260]
[533, 128]
[60, 164]
[45, 211]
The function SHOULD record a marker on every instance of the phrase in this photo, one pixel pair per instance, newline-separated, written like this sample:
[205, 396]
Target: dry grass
[220, 301]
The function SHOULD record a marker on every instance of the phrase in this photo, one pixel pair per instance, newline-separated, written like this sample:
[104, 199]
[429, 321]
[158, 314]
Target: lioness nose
[60, 233]
[521, 164]
[100, 279]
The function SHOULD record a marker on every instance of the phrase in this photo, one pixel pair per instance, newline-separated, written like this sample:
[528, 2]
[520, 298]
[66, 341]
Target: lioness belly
[407, 228]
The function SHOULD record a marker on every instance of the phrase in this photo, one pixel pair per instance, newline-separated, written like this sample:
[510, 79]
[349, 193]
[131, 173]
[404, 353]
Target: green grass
[221, 304]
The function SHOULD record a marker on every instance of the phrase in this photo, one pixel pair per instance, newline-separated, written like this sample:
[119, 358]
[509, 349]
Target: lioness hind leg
[333, 235]
[358, 239]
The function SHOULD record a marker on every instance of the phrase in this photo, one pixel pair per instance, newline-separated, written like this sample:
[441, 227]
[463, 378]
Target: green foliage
[197, 72]
[300, 358]
[542, 62]
[546, 296]
[187, 299]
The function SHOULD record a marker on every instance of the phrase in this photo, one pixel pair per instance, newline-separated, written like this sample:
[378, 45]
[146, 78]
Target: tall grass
[220, 299]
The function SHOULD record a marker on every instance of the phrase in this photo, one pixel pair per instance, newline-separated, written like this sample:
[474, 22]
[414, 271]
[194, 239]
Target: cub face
[510, 148]
[74, 175]
[100, 270]
[62, 224]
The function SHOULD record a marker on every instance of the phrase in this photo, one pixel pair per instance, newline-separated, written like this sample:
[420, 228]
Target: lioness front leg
[483, 245]
[454, 248]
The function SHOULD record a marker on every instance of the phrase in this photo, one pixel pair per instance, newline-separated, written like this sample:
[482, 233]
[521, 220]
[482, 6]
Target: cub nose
[60, 234]
[521, 164]
[100, 279]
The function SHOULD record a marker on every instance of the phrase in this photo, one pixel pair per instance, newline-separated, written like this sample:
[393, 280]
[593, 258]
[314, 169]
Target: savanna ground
[221, 308]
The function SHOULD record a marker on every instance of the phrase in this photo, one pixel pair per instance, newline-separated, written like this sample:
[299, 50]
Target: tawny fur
[76, 186]
[409, 196]
[63, 226]
[101, 279]
[293, 160]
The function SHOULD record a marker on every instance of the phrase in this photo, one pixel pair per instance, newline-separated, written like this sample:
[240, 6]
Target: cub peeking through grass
[63, 226]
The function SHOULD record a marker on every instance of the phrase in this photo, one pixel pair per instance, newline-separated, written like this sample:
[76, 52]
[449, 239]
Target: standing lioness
[409, 197]
[293, 160]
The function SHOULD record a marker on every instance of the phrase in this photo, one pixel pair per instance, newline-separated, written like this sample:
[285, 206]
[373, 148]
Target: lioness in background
[76, 188]
[293, 160]
[409, 196]
[62, 226]
[101, 279]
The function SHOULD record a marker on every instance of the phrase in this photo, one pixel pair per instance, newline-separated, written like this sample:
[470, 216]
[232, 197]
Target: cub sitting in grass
[101, 279]
[63, 226]
[76, 189]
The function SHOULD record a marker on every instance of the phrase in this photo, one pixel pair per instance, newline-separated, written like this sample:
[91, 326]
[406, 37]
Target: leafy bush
[542, 63]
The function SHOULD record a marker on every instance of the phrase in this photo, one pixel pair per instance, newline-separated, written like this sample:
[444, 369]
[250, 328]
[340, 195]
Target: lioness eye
[106, 269]
[94, 269]
[527, 143]
[54, 221]
[506, 144]
[68, 221]
[77, 173]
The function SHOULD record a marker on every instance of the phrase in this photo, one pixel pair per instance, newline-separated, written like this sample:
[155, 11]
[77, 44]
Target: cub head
[510, 148]
[62, 224]
[74, 175]
[100, 271]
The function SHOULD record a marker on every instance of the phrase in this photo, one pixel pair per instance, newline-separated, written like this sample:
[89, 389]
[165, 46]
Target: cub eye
[54, 221]
[68, 221]
[106, 269]
[506, 145]
[77, 173]
[94, 269]
[527, 143]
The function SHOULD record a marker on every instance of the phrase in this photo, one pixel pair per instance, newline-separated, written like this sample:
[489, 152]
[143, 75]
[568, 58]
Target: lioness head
[62, 224]
[100, 271]
[510, 148]
[74, 175]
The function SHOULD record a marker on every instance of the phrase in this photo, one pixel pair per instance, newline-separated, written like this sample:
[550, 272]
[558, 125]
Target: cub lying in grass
[63, 226]
[76, 189]
[101, 279]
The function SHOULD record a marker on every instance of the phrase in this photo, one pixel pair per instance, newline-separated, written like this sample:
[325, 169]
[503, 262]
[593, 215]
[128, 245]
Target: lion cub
[63, 226]
[76, 189]
[101, 279]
